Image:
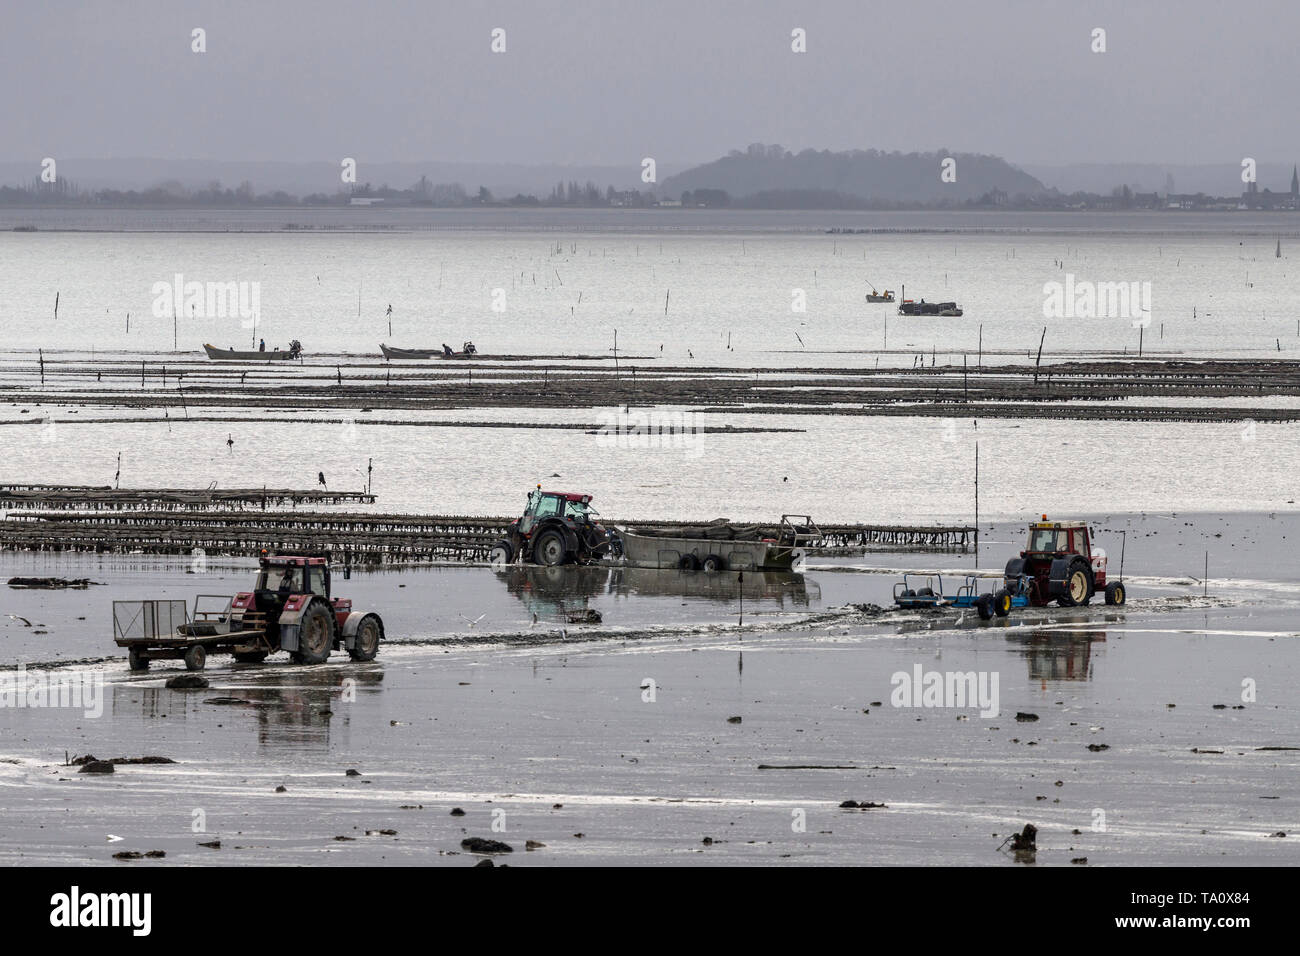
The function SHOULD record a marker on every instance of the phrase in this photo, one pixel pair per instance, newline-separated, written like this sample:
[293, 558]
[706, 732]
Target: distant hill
[869, 175]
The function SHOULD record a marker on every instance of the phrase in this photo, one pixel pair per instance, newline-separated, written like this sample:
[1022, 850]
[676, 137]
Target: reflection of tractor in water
[1057, 655]
[562, 595]
[1060, 564]
[556, 527]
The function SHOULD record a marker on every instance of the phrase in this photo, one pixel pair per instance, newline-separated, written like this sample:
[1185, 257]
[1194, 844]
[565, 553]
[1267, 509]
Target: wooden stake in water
[56, 307]
[1038, 360]
[1205, 581]
[977, 504]
[41, 355]
[666, 294]
[117, 477]
[979, 361]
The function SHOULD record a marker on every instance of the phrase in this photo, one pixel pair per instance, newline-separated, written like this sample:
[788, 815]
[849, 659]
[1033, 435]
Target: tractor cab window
[289, 580]
[577, 510]
[543, 506]
[317, 579]
[1049, 539]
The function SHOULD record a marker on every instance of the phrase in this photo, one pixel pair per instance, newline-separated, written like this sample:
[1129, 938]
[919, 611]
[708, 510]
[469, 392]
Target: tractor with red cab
[290, 608]
[557, 527]
[1061, 564]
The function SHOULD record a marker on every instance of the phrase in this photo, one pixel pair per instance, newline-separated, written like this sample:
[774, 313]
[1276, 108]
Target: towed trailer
[289, 609]
[988, 604]
[724, 547]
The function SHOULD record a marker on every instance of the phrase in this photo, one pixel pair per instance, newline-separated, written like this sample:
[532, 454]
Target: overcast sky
[611, 81]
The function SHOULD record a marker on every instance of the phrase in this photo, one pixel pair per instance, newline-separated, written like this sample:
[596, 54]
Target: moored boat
[909, 307]
[274, 355]
[467, 351]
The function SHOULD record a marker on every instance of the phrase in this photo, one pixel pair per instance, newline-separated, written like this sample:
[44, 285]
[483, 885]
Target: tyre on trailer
[316, 634]
[503, 552]
[366, 643]
[984, 605]
[688, 562]
[195, 657]
[713, 563]
[135, 659]
[1115, 593]
[550, 548]
[1002, 603]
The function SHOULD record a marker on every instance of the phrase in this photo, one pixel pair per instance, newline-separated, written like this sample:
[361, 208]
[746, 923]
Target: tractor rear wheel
[1002, 603]
[1078, 585]
[195, 657]
[1115, 593]
[1015, 568]
[366, 644]
[315, 634]
[549, 549]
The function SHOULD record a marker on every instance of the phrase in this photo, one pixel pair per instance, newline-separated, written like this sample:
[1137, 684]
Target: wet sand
[511, 716]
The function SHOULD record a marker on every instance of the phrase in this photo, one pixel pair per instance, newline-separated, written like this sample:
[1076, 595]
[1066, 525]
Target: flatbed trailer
[153, 630]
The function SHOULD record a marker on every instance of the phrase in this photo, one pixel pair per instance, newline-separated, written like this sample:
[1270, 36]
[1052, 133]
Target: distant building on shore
[1253, 198]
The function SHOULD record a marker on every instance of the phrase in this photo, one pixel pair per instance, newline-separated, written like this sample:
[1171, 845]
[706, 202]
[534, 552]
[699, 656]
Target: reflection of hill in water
[1057, 655]
[290, 707]
[555, 593]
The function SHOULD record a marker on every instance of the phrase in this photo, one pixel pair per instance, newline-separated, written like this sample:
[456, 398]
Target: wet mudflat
[625, 732]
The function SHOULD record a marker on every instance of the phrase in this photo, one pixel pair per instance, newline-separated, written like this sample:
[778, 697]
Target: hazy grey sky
[610, 82]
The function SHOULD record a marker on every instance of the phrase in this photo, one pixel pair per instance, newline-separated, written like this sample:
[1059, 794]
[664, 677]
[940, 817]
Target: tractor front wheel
[315, 635]
[502, 553]
[549, 549]
[1115, 593]
[366, 644]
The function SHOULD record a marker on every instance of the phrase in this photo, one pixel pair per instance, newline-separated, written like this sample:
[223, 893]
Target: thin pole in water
[977, 504]
[1040, 354]
[740, 579]
[1205, 581]
[41, 354]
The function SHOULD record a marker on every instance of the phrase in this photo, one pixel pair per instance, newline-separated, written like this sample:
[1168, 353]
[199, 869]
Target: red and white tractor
[1060, 564]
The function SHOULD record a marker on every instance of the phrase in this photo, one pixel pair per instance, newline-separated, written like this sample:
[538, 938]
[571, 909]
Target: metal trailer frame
[966, 596]
[149, 632]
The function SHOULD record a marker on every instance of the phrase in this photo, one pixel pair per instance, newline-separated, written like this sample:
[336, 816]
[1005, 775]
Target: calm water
[567, 281]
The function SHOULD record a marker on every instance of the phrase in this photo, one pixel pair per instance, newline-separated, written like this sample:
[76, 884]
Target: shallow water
[565, 290]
